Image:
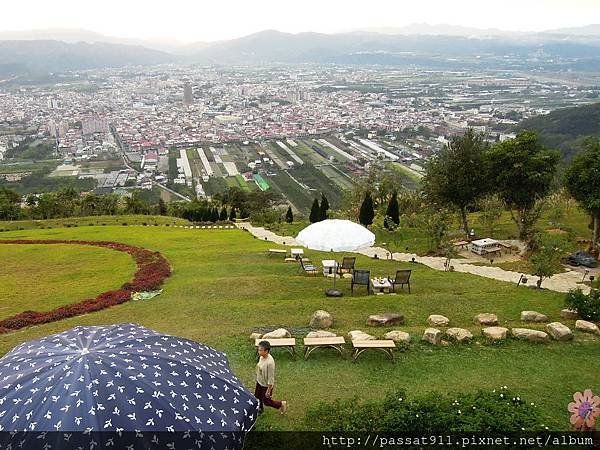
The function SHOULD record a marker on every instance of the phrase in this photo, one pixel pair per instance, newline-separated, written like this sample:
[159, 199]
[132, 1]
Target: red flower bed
[152, 270]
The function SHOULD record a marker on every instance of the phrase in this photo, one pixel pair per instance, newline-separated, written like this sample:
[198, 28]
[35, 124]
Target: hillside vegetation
[565, 129]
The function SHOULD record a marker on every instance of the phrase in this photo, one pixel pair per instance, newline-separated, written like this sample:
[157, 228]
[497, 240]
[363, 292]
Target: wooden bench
[311, 344]
[288, 343]
[385, 345]
[277, 252]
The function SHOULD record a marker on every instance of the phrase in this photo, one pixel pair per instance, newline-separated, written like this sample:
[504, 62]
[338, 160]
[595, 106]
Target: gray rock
[398, 336]
[495, 333]
[459, 334]
[559, 332]
[277, 334]
[433, 336]
[530, 335]
[587, 327]
[533, 316]
[485, 319]
[358, 335]
[321, 319]
[435, 320]
[320, 334]
[254, 336]
[569, 314]
[387, 319]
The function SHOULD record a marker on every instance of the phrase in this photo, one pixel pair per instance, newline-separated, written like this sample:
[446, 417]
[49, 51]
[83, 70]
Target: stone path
[562, 282]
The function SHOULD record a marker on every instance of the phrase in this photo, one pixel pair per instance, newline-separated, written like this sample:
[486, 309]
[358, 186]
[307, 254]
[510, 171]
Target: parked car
[582, 259]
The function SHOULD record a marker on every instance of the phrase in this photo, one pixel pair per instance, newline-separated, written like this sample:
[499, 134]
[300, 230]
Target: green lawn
[224, 285]
[70, 273]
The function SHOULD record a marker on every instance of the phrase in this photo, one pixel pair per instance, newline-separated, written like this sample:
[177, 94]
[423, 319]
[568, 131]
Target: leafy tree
[289, 215]
[367, 212]
[135, 204]
[232, 215]
[546, 259]
[223, 214]
[315, 212]
[323, 208]
[582, 180]
[9, 204]
[522, 171]
[457, 175]
[161, 207]
[392, 214]
[490, 208]
[435, 223]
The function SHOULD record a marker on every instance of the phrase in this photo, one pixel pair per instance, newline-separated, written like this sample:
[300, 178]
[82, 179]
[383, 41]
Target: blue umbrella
[126, 382]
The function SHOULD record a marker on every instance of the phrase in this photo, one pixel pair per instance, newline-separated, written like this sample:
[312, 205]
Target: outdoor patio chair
[402, 278]
[308, 267]
[361, 278]
[347, 265]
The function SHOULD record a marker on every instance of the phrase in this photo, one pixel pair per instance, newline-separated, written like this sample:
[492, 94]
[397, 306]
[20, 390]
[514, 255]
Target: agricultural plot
[261, 182]
[315, 179]
[308, 154]
[296, 194]
[337, 176]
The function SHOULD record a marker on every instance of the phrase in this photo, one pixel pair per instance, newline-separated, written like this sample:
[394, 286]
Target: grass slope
[223, 286]
[63, 274]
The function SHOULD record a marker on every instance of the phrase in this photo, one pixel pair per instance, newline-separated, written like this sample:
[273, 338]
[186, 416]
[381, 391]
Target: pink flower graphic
[585, 409]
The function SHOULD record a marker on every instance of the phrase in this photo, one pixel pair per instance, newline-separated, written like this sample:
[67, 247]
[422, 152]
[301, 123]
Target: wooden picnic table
[288, 343]
[311, 344]
[277, 251]
[385, 345]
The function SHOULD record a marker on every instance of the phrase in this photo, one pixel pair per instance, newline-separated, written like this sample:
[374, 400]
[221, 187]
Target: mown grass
[74, 222]
[44, 277]
[224, 286]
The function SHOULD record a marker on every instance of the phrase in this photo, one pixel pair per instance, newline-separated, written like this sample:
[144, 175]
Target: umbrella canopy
[121, 377]
[337, 235]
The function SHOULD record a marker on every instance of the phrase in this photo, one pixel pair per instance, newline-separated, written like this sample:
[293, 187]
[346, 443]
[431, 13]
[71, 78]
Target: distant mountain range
[27, 57]
[419, 44]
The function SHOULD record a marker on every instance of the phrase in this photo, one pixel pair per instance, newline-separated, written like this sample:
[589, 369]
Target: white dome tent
[337, 235]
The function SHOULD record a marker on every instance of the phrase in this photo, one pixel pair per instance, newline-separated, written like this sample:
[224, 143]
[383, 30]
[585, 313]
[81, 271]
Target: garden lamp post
[585, 274]
[522, 279]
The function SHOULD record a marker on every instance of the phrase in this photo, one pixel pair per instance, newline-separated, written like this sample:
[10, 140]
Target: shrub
[498, 411]
[588, 306]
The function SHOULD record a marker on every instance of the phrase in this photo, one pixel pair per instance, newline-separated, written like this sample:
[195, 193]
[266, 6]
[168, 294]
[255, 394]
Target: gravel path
[562, 282]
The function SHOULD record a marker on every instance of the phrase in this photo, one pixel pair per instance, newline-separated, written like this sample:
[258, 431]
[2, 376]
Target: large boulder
[485, 319]
[459, 334]
[495, 333]
[320, 334]
[587, 327]
[435, 320]
[569, 314]
[357, 335]
[559, 332]
[433, 336]
[530, 335]
[533, 316]
[383, 320]
[398, 336]
[279, 333]
[321, 319]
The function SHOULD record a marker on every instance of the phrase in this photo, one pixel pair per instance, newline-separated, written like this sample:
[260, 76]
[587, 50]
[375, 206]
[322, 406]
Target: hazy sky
[201, 20]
